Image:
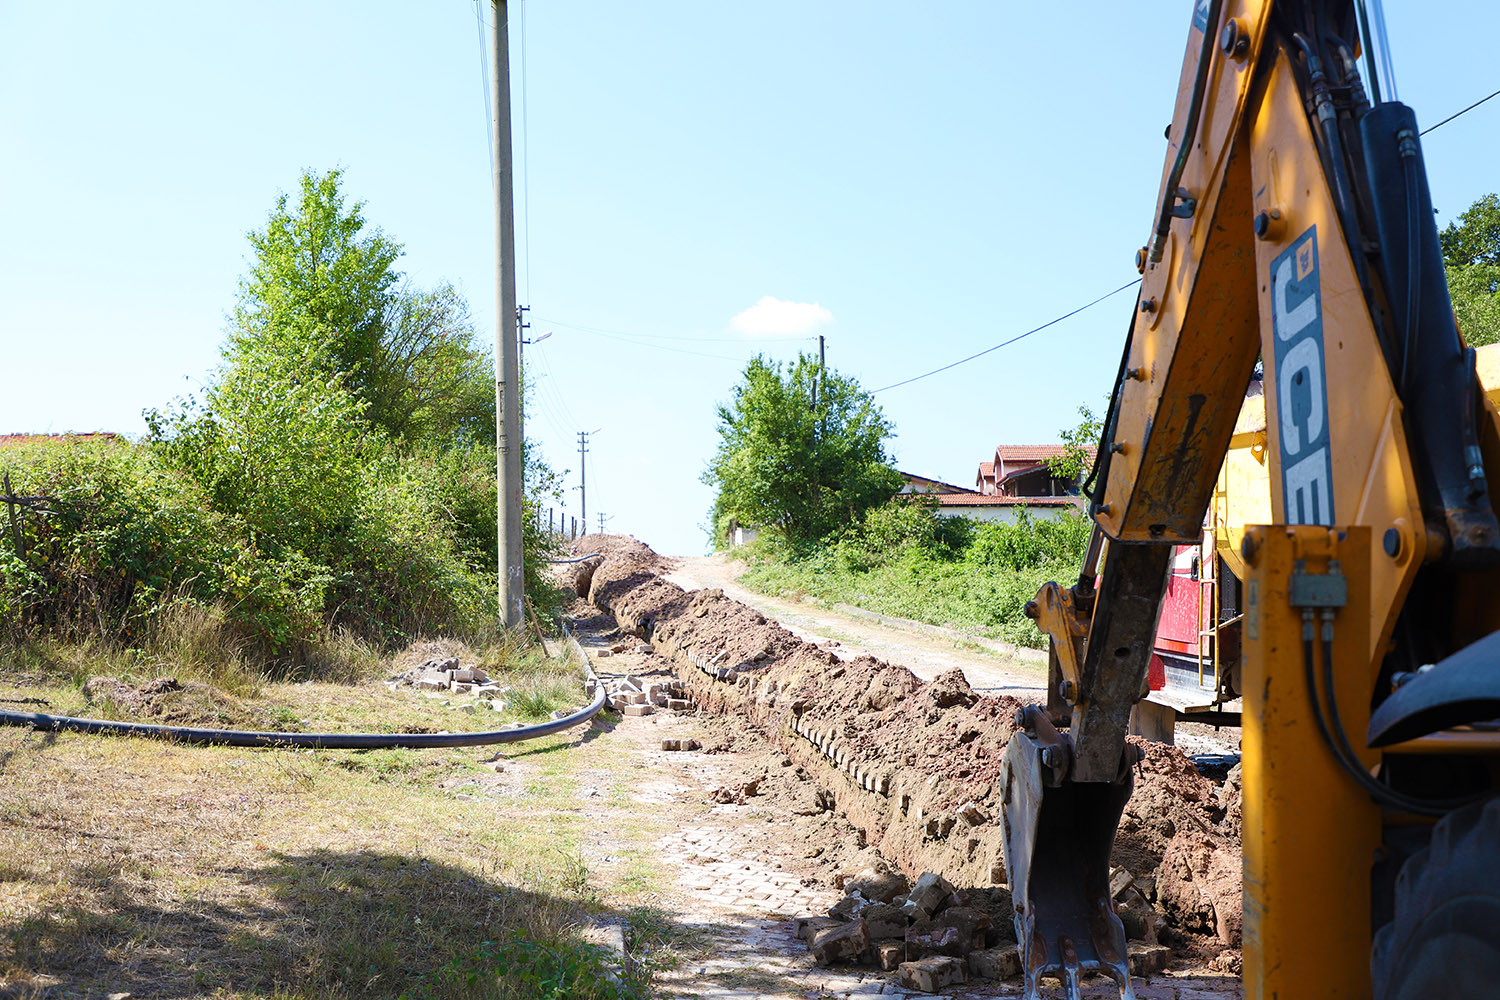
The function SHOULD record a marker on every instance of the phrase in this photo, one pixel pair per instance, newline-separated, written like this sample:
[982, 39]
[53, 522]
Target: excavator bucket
[1057, 836]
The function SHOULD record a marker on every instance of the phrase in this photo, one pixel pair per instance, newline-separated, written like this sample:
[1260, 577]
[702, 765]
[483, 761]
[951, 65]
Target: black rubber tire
[1445, 938]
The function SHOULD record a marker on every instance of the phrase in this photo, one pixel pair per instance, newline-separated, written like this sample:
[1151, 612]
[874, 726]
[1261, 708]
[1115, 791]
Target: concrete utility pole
[507, 360]
[822, 430]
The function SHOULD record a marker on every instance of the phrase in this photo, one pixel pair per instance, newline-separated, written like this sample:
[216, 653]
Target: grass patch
[942, 571]
[130, 865]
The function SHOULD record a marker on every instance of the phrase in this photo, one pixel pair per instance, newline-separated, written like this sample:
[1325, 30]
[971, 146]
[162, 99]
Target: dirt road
[923, 653]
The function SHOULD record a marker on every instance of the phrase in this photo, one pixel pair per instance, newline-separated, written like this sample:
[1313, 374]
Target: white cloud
[771, 317]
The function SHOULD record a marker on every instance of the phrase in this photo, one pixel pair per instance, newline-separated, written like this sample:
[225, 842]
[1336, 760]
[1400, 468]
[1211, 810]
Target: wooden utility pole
[507, 362]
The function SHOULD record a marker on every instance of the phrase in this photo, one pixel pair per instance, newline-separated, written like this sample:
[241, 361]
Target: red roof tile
[983, 500]
[7, 440]
[1032, 452]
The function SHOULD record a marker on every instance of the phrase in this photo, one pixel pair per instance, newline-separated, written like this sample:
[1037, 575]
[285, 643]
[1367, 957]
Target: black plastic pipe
[305, 741]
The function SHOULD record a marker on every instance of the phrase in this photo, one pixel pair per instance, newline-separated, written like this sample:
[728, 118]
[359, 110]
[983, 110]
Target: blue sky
[932, 178]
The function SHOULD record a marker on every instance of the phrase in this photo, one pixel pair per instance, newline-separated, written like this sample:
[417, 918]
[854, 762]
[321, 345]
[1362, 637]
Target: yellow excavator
[1294, 245]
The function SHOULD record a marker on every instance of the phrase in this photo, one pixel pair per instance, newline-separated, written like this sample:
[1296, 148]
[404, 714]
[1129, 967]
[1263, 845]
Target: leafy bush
[126, 536]
[948, 571]
[335, 484]
[1030, 542]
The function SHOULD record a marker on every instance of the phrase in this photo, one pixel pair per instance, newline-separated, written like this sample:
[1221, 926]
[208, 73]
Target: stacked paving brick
[632, 695]
[447, 674]
[915, 764]
[933, 935]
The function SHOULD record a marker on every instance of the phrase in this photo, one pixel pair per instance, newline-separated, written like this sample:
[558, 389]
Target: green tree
[1471, 251]
[324, 298]
[429, 379]
[801, 471]
[318, 288]
[1075, 459]
[350, 428]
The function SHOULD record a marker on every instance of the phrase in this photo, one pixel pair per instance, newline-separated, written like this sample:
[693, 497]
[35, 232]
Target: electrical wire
[484, 81]
[1023, 336]
[656, 347]
[1331, 731]
[193, 736]
[525, 162]
[1459, 114]
[664, 336]
[558, 395]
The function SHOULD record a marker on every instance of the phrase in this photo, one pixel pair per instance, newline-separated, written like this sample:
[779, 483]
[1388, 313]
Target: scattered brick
[973, 813]
[637, 710]
[889, 954]
[806, 927]
[924, 941]
[929, 894]
[839, 943]
[931, 974]
[1148, 958]
[996, 963]
[884, 921]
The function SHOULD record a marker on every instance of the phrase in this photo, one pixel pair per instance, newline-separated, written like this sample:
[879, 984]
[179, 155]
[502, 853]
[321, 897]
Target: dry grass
[171, 871]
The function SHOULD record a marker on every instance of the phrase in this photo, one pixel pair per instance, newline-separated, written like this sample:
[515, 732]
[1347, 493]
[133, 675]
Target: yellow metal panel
[1372, 478]
[1310, 833]
[1194, 344]
[1244, 494]
[1487, 362]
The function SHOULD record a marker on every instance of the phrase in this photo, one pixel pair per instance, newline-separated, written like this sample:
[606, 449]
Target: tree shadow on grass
[325, 923]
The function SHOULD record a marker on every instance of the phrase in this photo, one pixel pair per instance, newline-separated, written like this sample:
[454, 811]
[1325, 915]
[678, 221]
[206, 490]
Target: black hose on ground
[308, 741]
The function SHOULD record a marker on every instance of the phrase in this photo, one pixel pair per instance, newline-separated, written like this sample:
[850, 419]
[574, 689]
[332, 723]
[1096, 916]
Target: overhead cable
[1459, 114]
[1007, 343]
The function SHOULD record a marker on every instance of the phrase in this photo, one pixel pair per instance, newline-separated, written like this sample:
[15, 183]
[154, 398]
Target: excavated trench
[914, 764]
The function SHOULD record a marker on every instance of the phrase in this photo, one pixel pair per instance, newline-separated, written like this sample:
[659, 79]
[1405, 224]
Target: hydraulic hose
[1189, 134]
[1331, 730]
[309, 741]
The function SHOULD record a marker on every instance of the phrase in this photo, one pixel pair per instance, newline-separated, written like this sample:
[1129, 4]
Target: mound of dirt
[914, 765]
[627, 555]
[1182, 840]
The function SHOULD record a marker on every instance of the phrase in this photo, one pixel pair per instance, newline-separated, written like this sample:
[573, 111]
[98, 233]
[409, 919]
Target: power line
[525, 161]
[484, 77]
[935, 371]
[655, 347]
[1459, 114]
[554, 387]
[1023, 336]
[664, 336]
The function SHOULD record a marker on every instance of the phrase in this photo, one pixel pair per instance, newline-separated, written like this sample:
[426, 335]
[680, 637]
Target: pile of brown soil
[629, 559]
[914, 765]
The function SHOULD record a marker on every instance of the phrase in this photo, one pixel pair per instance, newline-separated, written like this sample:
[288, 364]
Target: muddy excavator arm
[1293, 237]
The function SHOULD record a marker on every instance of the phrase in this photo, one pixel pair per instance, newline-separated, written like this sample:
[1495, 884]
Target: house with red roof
[1017, 476]
[922, 484]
